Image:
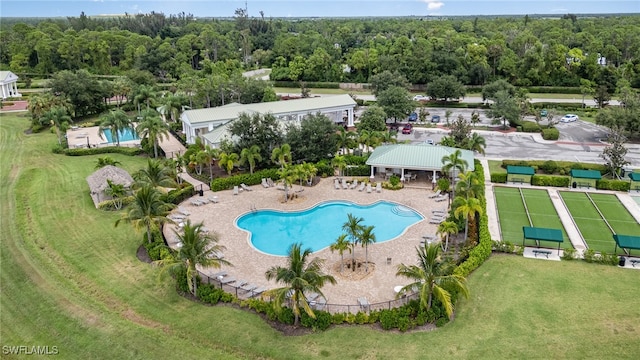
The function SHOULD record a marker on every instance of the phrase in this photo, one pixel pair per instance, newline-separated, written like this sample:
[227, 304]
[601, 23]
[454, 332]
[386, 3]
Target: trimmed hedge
[499, 178]
[560, 166]
[530, 127]
[102, 150]
[550, 180]
[177, 196]
[550, 134]
[227, 183]
[615, 185]
[308, 84]
[553, 89]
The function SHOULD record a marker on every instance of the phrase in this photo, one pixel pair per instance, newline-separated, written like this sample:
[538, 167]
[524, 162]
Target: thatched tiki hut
[98, 182]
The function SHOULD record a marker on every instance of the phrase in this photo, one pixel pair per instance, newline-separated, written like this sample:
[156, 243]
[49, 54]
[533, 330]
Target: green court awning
[634, 176]
[627, 241]
[520, 170]
[586, 174]
[544, 234]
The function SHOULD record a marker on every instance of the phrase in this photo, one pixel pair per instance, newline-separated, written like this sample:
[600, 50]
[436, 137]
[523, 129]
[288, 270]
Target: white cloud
[434, 4]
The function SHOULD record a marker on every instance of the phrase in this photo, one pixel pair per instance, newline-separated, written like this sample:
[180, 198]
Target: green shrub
[110, 205]
[549, 166]
[550, 134]
[530, 127]
[553, 90]
[499, 178]
[442, 321]
[286, 316]
[227, 183]
[308, 84]
[355, 160]
[324, 169]
[589, 255]
[503, 246]
[337, 318]
[362, 318]
[359, 170]
[569, 254]
[177, 196]
[615, 185]
[102, 150]
[550, 180]
[388, 319]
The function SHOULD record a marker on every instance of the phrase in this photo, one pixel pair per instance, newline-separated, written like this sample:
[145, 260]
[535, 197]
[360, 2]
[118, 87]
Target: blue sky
[305, 8]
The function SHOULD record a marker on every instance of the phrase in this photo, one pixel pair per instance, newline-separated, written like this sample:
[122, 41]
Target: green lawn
[70, 279]
[495, 166]
[594, 230]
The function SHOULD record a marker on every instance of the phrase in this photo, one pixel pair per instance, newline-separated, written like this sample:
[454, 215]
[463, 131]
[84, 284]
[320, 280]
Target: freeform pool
[272, 232]
[126, 134]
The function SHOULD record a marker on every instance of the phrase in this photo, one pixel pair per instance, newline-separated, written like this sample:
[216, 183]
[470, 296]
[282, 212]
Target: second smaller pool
[127, 134]
[272, 232]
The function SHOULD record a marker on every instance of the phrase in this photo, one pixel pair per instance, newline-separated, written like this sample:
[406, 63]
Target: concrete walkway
[172, 147]
[574, 234]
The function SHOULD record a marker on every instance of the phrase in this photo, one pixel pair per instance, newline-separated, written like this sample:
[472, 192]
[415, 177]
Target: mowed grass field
[513, 216]
[70, 279]
[594, 230]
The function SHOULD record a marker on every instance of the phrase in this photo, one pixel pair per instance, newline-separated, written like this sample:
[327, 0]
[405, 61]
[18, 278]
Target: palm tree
[445, 229]
[227, 161]
[469, 184]
[117, 192]
[144, 94]
[107, 160]
[147, 210]
[211, 155]
[451, 163]
[179, 162]
[345, 140]
[299, 277]
[287, 175]
[340, 162]
[341, 245]
[58, 118]
[467, 207]
[250, 156]
[116, 121]
[353, 227]
[198, 248]
[387, 137]
[153, 128]
[281, 155]
[121, 88]
[156, 174]
[432, 276]
[476, 143]
[310, 171]
[171, 106]
[367, 237]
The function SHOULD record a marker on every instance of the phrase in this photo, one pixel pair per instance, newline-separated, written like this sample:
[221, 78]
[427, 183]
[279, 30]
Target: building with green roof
[211, 124]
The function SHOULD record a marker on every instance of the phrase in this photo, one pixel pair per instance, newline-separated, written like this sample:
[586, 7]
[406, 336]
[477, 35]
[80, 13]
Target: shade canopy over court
[521, 174]
[635, 181]
[542, 234]
[626, 242]
[584, 178]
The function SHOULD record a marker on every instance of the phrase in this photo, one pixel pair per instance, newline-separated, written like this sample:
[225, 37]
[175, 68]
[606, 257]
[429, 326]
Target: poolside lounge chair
[227, 280]
[213, 199]
[379, 187]
[196, 202]
[264, 183]
[176, 217]
[345, 184]
[258, 291]
[436, 221]
[239, 283]
[364, 303]
[270, 182]
[439, 211]
[369, 188]
[435, 195]
[183, 211]
[219, 275]
[336, 184]
[319, 304]
[248, 287]
[442, 198]
[245, 187]
[235, 190]
[355, 183]
[311, 297]
[361, 187]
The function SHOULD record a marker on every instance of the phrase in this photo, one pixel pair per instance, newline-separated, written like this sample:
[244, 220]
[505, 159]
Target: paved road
[477, 99]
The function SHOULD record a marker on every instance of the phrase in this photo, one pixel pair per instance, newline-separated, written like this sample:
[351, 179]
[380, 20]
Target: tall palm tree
[310, 171]
[58, 118]
[288, 176]
[198, 248]
[467, 207]
[153, 128]
[281, 155]
[446, 229]
[353, 227]
[387, 137]
[179, 162]
[227, 161]
[345, 140]
[147, 210]
[156, 174]
[250, 156]
[367, 237]
[211, 155]
[171, 106]
[106, 160]
[451, 163]
[469, 184]
[476, 143]
[432, 276]
[299, 277]
[116, 121]
[339, 162]
[117, 192]
[144, 94]
[341, 245]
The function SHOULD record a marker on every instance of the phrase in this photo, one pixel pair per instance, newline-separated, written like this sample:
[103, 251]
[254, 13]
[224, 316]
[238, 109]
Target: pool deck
[83, 137]
[250, 264]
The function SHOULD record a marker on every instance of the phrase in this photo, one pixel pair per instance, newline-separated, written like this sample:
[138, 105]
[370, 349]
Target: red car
[407, 129]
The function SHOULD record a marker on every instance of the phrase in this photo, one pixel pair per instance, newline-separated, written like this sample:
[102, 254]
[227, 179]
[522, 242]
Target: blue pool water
[127, 134]
[272, 232]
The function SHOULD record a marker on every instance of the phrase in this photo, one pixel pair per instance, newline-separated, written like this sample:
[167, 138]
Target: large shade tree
[300, 278]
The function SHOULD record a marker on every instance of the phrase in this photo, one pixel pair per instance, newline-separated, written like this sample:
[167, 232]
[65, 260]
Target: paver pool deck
[250, 264]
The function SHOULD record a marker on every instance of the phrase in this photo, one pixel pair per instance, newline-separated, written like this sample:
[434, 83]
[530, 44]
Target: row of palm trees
[365, 139]
[355, 233]
[149, 126]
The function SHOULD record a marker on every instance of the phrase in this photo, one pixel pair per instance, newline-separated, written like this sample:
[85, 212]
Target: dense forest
[525, 51]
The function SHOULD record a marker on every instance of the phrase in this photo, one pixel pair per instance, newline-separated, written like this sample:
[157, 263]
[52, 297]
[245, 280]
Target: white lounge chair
[258, 291]
[354, 185]
[214, 199]
[245, 187]
[364, 303]
[336, 184]
[248, 287]
[235, 190]
[442, 198]
[379, 187]
[270, 182]
[183, 211]
[264, 183]
[435, 195]
[345, 184]
[362, 186]
[369, 189]
[227, 280]
[196, 202]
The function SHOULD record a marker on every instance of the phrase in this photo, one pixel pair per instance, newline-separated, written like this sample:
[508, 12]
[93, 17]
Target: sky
[314, 8]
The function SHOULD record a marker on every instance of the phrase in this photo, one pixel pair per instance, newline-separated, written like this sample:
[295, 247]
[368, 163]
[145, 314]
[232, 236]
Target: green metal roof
[536, 233]
[635, 176]
[627, 241]
[586, 174]
[223, 114]
[415, 156]
[520, 170]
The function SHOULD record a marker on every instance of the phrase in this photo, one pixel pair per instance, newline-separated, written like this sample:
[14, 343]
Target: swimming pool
[127, 134]
[272, 232]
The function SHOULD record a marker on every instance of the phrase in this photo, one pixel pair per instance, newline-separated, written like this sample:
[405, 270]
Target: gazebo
[584, 178]
[520, 174]
[542, 234]
[634, 184]
[9, 85]
[626, 243]
[98, 182]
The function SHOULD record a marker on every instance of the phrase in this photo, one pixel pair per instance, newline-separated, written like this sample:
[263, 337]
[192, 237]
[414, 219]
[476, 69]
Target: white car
[420, 98]
[569, 118]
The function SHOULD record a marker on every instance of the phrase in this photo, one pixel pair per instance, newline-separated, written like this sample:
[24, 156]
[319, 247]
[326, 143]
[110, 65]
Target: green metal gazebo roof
[536, 233]
[520, 170]
[586, 174]
[635, 176]
[415, 156]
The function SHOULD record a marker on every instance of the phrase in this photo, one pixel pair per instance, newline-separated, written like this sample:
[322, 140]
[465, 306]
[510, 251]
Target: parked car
[420, 98]
[429, 141]
[407, 129]
[569, 118]
[413, 116]
[543, 113]
[435, 119]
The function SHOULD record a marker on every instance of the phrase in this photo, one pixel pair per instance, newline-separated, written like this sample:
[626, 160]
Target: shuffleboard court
[511, 213]
[616, 214]
[544, 215]
[594, 230]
